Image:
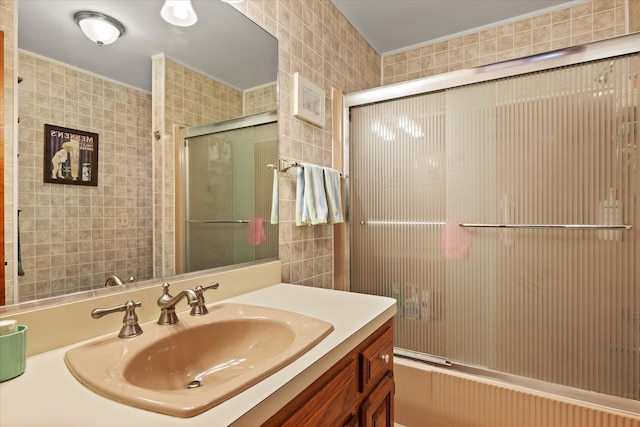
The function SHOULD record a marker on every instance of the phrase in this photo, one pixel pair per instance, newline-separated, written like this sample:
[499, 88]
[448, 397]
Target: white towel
[334, 199]
[311, 200]
[275, 213]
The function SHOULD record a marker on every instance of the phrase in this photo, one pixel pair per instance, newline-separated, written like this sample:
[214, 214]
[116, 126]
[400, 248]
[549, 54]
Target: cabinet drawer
[376, 359]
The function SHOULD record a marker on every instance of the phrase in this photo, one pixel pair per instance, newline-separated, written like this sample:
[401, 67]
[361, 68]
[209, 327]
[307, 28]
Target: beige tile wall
[181, 97]
[315, 39]
[634, 16]
[73, 237]
[261, 99]
[7, 26]
[573, 26]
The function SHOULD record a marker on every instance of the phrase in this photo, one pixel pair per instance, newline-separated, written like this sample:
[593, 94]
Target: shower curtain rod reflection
[220, 221]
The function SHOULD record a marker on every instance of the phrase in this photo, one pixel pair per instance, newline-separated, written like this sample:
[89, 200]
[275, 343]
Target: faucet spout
[166, 301]
[113, 281]
[167, 304]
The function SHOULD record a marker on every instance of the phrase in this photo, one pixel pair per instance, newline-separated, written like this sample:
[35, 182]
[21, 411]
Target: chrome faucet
[200, 309]
[116, 281]
[167, 304]
[130, 327]
[113, 281]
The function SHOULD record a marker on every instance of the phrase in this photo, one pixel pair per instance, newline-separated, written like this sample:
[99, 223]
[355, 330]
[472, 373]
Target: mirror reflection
[136, 94]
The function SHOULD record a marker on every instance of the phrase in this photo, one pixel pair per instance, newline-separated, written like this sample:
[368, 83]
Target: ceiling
[226, 45]
[395, 25]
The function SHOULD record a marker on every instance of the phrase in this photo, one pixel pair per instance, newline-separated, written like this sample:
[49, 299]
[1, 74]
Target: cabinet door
[352, 421]
[377, 409]
[324, 403]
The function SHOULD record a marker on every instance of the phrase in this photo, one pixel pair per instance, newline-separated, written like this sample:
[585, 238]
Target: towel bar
[285, 165]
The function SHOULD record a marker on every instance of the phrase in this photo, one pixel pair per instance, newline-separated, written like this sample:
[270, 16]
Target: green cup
[13, 353]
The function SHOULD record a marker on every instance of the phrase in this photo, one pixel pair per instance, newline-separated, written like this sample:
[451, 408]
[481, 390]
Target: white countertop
[48, 395]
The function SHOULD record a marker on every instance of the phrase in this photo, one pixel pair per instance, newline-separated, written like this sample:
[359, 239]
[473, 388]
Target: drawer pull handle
[385, 357]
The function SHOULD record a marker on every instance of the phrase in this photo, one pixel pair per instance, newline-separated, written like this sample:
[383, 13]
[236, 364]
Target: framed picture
[308, 101]
[70, 156]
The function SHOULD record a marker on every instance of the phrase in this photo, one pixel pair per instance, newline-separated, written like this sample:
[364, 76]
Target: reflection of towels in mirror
[275, 212]
[456, 240]
[255, 232]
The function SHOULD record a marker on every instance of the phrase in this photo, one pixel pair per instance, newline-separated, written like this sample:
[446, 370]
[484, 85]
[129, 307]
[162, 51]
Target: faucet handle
[200, 309]
[130, 326]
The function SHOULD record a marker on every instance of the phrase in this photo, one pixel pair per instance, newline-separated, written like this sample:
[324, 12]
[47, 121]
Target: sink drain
[194, 384]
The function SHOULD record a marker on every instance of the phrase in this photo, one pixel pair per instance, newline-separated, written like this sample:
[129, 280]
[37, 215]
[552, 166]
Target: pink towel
[456, 240]
[255, 232]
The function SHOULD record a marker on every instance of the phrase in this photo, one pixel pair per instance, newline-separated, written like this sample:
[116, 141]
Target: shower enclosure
[228, 192]
[500, 207]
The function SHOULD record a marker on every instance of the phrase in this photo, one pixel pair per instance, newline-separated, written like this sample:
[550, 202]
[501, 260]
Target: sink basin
[187, 368]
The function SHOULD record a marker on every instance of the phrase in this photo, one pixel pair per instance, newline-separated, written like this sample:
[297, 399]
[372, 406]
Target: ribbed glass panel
[551, 148]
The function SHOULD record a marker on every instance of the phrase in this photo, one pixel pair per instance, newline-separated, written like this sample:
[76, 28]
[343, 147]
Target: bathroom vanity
[345, 379]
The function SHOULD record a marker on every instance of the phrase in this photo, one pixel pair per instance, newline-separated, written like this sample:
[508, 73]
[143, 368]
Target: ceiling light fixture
[98, 27]
[179, 12]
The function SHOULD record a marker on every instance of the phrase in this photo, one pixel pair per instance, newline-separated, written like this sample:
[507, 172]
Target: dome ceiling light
[98, 27]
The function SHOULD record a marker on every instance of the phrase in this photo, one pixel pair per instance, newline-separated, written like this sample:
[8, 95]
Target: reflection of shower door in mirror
[228, 195]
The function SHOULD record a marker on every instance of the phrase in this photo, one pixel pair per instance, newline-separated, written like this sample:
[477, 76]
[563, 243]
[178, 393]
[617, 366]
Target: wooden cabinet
[355, 392]
[377, 409]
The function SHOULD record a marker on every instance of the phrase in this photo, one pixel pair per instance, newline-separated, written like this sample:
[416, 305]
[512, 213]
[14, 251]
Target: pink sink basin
[187, 368]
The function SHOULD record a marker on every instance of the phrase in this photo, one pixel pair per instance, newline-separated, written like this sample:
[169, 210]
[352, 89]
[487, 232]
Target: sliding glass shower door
[228, 197]
[498, 215]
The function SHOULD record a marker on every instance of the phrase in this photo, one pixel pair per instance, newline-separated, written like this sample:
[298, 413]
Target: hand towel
[334, 199]
[311, 200]
[275, 212]
[255, 232]
[456, 240]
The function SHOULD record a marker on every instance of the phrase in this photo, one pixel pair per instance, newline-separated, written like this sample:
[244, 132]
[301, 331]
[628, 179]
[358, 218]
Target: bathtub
[430, 396]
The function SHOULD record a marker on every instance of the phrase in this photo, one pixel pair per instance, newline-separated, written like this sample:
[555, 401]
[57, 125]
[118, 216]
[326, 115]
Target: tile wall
[73, 237]
[261, 99]
[181, 97]
[315, 39]
[596, 20]
[7, 8]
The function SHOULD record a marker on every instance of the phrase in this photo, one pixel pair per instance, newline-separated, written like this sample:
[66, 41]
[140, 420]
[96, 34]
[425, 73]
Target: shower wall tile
[70, 234]
[593, 21]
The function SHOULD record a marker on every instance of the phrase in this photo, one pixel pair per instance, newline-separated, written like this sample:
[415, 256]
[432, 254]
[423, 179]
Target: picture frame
[308, 101]
[70, 156]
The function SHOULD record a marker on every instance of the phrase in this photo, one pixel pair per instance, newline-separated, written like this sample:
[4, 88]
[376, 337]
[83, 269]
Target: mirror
[72, 237]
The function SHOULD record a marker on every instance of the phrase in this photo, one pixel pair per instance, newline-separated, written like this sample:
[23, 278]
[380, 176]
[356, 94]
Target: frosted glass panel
[229, 190]
[554, 147]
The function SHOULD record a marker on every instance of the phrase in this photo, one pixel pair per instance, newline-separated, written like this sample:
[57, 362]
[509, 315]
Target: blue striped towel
[311, 200]
[334, 200]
